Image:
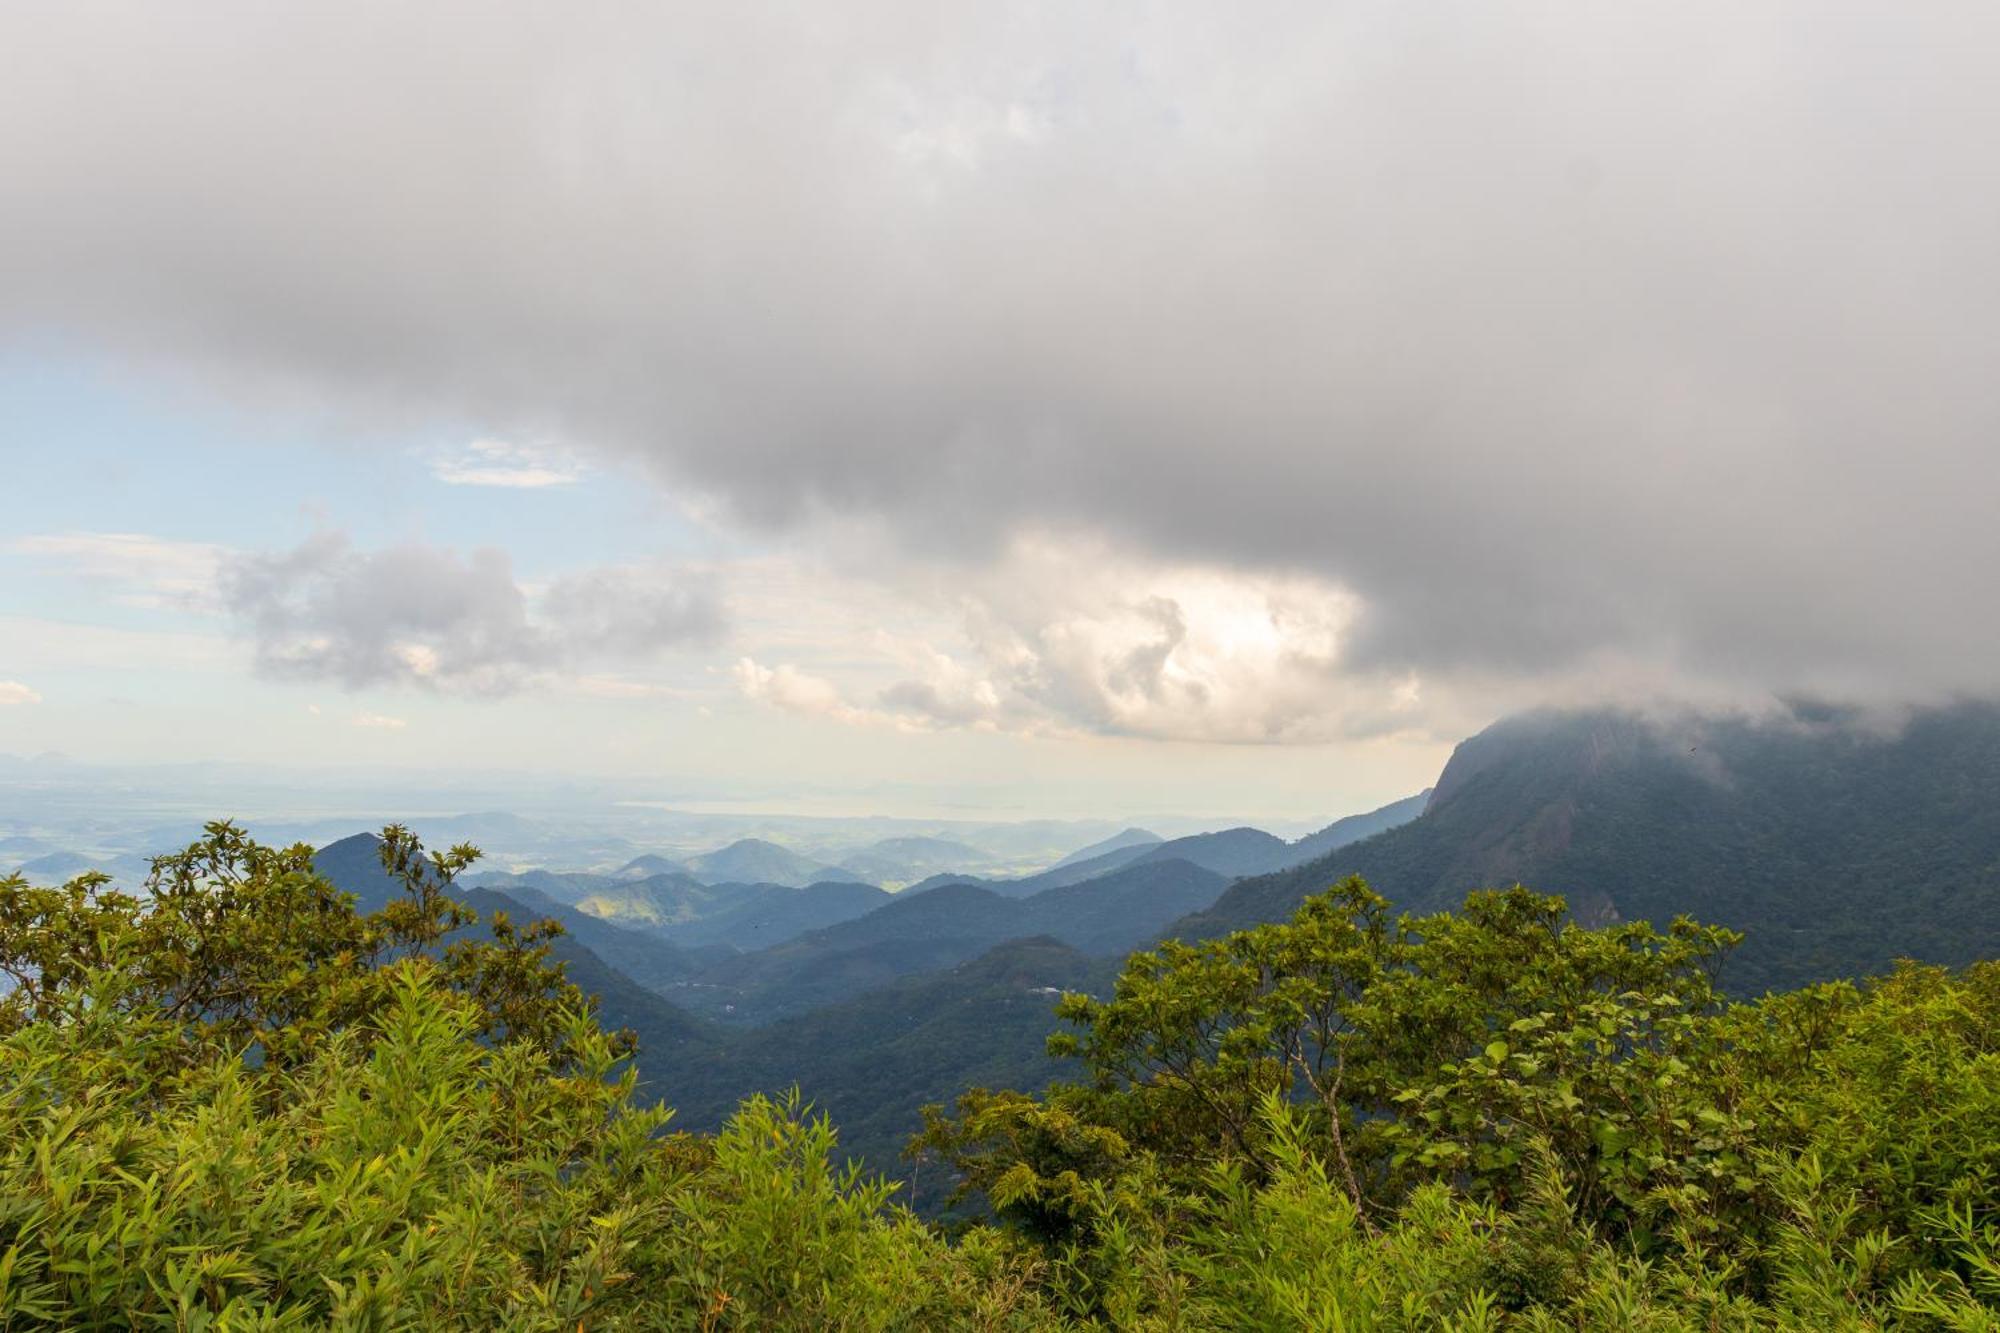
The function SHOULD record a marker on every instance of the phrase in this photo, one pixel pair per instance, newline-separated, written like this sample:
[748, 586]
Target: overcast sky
[1076, 407]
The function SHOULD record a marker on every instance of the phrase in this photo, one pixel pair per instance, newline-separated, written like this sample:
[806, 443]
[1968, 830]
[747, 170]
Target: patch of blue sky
[88, 446]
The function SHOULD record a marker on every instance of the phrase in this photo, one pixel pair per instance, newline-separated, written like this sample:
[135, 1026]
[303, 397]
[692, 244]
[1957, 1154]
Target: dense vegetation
[238, 1102]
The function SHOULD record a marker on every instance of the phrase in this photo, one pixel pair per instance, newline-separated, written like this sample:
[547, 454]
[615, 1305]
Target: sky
[1029, 409]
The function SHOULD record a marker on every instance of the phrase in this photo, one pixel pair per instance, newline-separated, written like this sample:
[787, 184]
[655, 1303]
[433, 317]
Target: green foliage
[237, 1103]
[413, 1176]
[1437, 1047]
[1502, 1118]
[245, 947]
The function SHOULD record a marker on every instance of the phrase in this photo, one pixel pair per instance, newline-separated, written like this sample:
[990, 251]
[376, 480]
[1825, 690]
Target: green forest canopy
[237, 1102]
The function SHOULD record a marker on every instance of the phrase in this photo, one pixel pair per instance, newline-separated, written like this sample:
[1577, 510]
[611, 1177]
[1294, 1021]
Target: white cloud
[511, 466]
[145, 570]
[426, 615]
[787, 687]
[377, 722]
[14, 692]
[1064, 636]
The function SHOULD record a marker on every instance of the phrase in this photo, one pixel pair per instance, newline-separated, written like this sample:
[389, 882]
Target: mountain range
[1836, 841]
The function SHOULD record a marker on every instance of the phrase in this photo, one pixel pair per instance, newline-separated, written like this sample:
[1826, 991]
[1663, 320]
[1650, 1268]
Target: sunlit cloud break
[510, 466]
[14, 692]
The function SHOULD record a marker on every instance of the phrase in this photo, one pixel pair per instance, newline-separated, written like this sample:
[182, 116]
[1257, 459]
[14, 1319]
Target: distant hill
[647, 866]
[565, 886]
[1230, 853]
[899, 861]
[761, 915]
[755, 861]
[872, 1061]
[52, 868]
[19, 847]
[945, 926]
[1117, 842]
[647, 957]
[354, 864]
[659, 900]
[1835, 845]
[693, 911]
[667, 1034]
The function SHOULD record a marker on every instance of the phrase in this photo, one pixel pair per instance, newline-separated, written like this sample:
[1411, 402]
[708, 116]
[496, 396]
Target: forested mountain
[1231, 853]
[1354, 828]
[899, 861]
[978, 1017]
[1131, 837]
[761, 915]
[1833, 845]
[645, 956]
[659, 900]
[873, 1061]
[649, 865]
[623, 982]
[564, 886]
[669, 1036]
[941, 927]
[756, 861]
[1837, 843]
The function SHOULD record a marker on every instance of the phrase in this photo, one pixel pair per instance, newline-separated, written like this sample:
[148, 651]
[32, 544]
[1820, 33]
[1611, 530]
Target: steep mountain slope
[355, 866]
[1229, 853]
[667, 1035]
[1117, 842]
[1354, 828]
[942, 927]
[873, 1061]
[755, 861]
[643, 955]
[1119, 911]
[1835, 845]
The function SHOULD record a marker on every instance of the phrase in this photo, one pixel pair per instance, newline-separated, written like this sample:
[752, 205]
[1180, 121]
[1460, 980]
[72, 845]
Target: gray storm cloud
[1557, 333]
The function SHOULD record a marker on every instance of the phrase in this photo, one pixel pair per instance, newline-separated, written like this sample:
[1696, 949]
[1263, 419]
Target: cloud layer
[1538, 340]
[423, 615]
